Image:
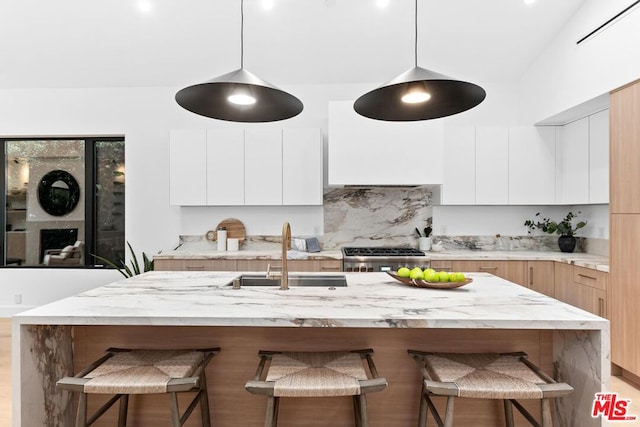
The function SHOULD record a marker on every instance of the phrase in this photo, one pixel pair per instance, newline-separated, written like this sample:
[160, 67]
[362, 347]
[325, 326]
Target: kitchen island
[200, 309]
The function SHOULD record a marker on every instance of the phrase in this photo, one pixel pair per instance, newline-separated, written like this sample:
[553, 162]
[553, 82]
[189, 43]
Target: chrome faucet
[284, 273]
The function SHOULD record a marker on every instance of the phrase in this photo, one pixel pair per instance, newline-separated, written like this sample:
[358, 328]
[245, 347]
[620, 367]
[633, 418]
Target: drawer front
[330, 265]
[441, 265]
[589, 277]
[194, 265]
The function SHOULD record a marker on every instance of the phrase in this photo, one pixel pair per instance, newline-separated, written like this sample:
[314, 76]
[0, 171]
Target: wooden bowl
[424, 284]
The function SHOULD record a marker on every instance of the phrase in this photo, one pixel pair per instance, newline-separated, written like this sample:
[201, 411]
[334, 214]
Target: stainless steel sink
[324, 280]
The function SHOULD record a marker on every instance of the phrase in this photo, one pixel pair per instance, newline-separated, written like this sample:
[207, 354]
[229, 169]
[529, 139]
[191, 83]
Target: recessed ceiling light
[145, 6]
[529, 2]
[267, 4]
[382, 3]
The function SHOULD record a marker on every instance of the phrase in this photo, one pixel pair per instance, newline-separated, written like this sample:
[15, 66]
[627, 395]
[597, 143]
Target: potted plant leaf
[564, 228]
[124, 269]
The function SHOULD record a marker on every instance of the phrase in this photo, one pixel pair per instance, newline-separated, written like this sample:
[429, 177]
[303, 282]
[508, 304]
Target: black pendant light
[239, 96]
[419, 94]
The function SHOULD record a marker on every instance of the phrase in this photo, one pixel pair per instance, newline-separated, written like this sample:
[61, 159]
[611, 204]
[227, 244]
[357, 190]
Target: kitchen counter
[246, 254]
[198, 308]
[596, 262]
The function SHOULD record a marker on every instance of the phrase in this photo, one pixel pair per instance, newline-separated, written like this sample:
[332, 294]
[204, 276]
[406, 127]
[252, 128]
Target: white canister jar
[233, 244]
[424, 243]
[222, 239]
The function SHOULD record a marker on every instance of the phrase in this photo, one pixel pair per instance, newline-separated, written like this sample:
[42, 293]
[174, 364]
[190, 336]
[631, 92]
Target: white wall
[35, 287]
[509, 220]
[566, 74]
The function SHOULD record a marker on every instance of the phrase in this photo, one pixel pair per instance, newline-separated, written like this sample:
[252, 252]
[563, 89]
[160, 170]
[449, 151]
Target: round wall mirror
[58, 193]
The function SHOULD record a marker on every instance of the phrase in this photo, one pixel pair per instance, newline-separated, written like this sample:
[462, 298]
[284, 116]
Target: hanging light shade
[419, 94]
[239, 96]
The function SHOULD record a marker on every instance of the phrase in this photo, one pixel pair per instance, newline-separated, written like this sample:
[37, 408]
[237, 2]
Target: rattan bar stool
[122, 372]
[504, 376]
[316, 374]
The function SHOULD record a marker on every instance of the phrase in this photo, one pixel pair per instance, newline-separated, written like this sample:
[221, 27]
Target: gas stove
[384, 258]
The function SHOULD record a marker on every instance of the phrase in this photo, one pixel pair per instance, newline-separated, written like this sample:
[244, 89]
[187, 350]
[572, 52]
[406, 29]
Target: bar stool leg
[122, 413]
[356, 411]
[270, 417]
[448, 416]
[204, 402]
[81, 417]
[422, 414]
[175, 412]
[364, 417]
[508, 413]
[547, 421]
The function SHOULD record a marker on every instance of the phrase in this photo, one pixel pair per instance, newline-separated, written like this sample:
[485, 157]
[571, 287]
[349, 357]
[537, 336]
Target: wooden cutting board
[235, 229]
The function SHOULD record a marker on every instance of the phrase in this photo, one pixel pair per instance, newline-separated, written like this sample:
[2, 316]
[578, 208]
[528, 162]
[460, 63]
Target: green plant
[124, 269]
[563, 228]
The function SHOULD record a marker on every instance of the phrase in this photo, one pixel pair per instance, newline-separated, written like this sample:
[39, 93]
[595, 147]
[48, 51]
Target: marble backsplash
[379, 216]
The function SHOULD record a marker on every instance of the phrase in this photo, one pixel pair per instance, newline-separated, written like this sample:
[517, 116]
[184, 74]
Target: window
[64, 201]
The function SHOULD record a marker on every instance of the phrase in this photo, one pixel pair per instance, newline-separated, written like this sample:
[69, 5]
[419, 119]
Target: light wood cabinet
[541, 277]
[513, 271]
[625, 291]
[625, 150]
[195, 265]
[582, 287]
[492, 166]
[442, 265]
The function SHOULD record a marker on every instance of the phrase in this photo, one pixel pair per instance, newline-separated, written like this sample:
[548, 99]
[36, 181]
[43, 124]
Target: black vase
[567, 243]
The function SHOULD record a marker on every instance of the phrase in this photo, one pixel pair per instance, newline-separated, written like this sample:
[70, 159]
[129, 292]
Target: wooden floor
[619, 385]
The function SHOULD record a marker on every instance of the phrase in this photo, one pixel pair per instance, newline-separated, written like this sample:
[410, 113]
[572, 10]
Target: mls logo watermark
[611, 408]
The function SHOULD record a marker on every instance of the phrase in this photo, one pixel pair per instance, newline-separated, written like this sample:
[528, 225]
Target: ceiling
[109, 43]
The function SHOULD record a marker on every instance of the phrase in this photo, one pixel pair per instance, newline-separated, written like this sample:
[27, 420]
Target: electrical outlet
[316, 229]
[17, 298]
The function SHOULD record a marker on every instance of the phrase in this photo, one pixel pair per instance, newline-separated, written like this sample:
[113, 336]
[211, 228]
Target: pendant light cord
[241, 33]
[415, 43]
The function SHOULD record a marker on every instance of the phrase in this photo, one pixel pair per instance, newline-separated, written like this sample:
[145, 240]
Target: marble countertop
[248, 254]
[371, 300]
[596, 262]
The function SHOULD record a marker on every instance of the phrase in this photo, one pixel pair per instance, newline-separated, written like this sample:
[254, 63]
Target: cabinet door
[599, 157]
[513, 271]
[225, 167]
[459, 187]
[443, 265]
[330, 265]
[257, 264]
[373, 152]
[625, 149]
[625, 298]
[263, 167]
[492, 166]
[188, 167]
[294, 265]
[302, 167]
[541, 277]
[587, 298]
[573, 163]
[194, 265]
[532, 165]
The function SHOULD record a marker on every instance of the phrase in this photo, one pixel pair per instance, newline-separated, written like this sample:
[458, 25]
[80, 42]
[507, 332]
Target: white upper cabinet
[492, 166]
[573, 163]
[302, 166]
[599, 157]
[232, 167]
[459, 186]
[263, 167]
[188, 167]
[225, 171]
[532, 165]
[363, 151]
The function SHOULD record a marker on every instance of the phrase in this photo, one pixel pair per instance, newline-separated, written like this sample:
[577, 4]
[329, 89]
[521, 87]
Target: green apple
[403, 272]
[416, 274]
[429, 271]
[431, 276]
[457, 277]
[443, 276]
